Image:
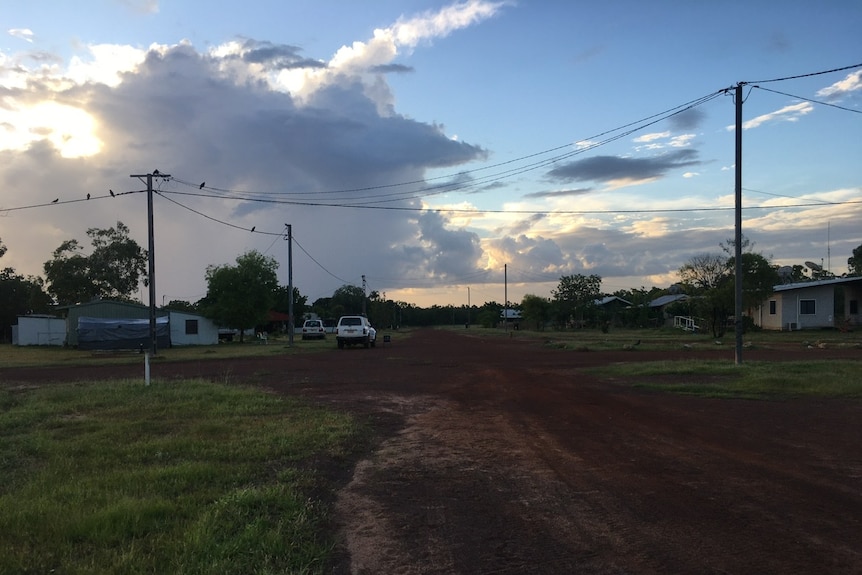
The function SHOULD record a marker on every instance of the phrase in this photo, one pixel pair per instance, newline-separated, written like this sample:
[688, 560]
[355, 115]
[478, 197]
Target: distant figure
[88, 196]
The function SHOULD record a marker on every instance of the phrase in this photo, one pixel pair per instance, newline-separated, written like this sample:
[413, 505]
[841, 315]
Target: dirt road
[499, 455]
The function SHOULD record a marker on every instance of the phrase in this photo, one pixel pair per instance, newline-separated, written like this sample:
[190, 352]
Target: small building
[103, 309]
[829, 303]
[192, 329]
[39, 330]
[658, 308]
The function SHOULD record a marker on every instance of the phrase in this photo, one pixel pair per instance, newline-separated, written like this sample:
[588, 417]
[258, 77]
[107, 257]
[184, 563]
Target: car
[355, 330]
[313, 329]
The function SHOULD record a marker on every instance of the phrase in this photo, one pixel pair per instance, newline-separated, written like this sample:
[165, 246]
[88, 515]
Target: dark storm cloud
[441, 252]
[184, 113]
[392, 68]
[609, 168]
[688, 120]
[559, 193]
[277, 56]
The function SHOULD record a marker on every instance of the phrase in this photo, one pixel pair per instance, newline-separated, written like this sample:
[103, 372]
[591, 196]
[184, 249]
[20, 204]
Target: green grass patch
[751, 380]
[44, 356]
[179, 477]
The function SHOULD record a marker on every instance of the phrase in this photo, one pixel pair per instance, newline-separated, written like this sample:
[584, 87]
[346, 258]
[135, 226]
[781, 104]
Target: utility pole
[151, 252]
[364, 297]
[468, 306]
[290, 323]
[737, 269]
[506, 296]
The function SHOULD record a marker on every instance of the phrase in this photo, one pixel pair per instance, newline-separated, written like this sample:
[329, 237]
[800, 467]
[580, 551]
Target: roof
[817, 283]
[667, 299]
[608, 299]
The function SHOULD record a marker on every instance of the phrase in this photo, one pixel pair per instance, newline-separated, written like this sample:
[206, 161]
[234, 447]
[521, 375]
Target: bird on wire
[112, 193]
[252, 228]
[202, 185]
[55, 201]
[88, 196]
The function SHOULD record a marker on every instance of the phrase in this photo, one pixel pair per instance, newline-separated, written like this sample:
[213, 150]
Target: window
[807, 307]
[854, 307]
[772, 306]
[191, 327]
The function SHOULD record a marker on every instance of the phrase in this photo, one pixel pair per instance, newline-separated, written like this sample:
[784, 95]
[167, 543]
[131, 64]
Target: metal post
[291, 323]
[737, 270]
[506, 296]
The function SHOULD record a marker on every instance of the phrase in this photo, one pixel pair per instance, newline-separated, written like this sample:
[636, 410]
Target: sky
[446, 152]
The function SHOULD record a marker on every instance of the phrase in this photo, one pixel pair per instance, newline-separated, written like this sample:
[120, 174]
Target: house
[827, 303]
[611, 307]
[39, 330]
[658, 308]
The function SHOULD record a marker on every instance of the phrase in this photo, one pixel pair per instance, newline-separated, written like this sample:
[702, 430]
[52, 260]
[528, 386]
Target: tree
[704, 271]
[537, 309]
[281, 302]
[575, 296]
[112, 271]
[854, 262]
[240, 296]
[19, 296]
[348, 300]
[759, 278]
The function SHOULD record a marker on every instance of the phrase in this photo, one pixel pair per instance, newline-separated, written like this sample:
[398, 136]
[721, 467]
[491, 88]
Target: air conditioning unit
[790, 326]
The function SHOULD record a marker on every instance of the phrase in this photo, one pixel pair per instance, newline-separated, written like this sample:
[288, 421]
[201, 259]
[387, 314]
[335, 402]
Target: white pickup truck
[355, 330]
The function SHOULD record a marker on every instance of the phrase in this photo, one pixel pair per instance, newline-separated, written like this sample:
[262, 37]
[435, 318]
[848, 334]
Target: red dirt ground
[498, 455]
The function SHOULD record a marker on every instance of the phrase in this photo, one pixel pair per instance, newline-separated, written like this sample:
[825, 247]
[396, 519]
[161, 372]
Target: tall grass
[752, 380]
[181, 477]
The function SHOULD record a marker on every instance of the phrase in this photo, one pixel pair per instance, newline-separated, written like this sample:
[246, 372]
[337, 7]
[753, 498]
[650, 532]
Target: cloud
[391, 68]
[790, 113]
[216, 126]
[850, 83]
[619, 169]
[277, 56]
[22, 33]
[687, 120]
[558, 193]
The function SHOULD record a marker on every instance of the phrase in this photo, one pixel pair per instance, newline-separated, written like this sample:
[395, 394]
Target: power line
[458, 185]
[810, 100]
[804, 75]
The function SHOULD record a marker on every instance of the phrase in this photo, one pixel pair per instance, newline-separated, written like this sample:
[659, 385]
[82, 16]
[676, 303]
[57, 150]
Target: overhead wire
[458, 185]
[822, 103]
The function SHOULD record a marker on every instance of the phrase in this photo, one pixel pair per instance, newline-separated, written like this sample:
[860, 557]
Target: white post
[147, 368]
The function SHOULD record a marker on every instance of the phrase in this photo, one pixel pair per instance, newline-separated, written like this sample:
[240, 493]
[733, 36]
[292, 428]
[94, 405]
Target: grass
[35, 356]
[751, 380]
[180, 477]
[44, 356]
[667, 338]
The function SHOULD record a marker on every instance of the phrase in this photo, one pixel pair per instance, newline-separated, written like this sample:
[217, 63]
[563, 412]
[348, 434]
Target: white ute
[355, 330]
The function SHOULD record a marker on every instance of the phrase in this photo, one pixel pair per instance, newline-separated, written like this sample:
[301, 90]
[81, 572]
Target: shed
[192, 329]
[105, 309]
[39, 330]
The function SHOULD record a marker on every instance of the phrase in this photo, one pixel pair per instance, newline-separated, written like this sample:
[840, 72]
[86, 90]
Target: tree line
[243, 295]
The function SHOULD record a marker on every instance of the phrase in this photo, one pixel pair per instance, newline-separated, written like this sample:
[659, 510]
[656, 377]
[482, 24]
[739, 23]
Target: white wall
[207, 331]
[41, 330]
